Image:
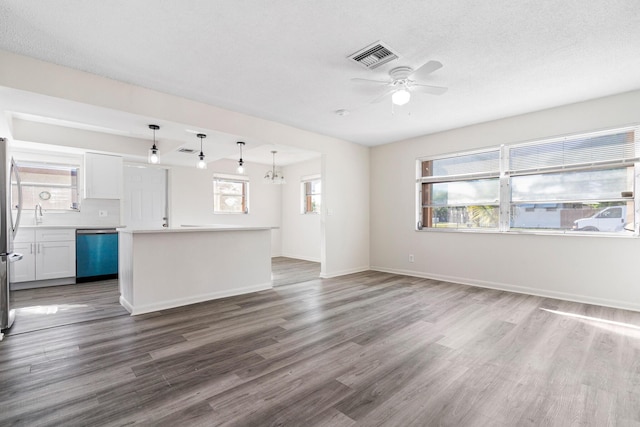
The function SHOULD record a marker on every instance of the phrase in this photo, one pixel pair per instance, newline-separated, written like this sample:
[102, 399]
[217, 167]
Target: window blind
[461, 167]
[229, 177]
[597, 150]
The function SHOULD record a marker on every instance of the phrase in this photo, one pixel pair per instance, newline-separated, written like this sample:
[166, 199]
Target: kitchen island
[166, 268]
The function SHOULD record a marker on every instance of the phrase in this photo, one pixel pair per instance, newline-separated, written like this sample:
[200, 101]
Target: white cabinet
[25, 269]
[55, 260]
[102, 176]
[47, 254]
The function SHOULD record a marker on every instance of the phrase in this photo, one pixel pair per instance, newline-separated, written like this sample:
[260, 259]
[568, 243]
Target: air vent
[374, 55]
[186, 150]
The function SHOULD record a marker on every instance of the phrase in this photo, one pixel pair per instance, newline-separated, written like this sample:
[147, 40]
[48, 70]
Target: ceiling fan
[404, 80]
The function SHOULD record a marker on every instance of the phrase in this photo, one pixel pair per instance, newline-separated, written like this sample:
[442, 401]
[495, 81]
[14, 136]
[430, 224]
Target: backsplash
[90, 214]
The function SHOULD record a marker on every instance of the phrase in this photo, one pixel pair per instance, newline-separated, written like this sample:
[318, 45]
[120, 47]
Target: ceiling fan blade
[358, 80]
[382, 97]
[425, 69]
[432, 90]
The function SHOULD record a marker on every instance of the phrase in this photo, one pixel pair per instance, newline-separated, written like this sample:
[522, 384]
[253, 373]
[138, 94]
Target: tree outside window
[311, 196]
[230, 196]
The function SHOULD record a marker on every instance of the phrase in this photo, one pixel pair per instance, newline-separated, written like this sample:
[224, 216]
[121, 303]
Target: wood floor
[286, 271]
[366, 349]
[54, 306]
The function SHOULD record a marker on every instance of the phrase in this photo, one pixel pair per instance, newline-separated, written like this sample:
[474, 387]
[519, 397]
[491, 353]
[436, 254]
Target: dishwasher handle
[98, 231]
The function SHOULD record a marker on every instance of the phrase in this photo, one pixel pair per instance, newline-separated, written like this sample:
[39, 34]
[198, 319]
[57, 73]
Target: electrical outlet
[410, 257]
[102, 213]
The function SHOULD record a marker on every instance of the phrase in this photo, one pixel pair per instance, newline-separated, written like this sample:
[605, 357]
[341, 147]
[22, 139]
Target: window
[460, 191]
[578, 183]
[311, 195]
[230, 194]
[53, 186]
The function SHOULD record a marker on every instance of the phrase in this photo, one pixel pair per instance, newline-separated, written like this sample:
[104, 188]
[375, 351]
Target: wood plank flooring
[286, 271]
[53, 306]
[365, 349]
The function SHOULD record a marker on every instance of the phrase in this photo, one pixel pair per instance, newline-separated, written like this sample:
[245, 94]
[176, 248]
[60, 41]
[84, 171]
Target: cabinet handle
[39, 247]
[31, 248]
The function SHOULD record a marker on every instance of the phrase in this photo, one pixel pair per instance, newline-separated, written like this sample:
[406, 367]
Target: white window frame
[505, 181]
[450, 178]
[241, 179]
[51, 165]
[303, 191]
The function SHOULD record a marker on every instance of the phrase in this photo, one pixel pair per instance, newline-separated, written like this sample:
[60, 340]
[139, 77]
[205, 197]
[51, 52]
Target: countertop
[197, 228]
[74, 226]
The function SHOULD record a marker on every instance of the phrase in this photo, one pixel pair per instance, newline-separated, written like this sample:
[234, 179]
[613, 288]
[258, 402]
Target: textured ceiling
[286, 60]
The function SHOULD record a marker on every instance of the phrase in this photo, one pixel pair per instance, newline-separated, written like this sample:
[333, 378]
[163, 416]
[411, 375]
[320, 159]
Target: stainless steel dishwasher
[96, 255]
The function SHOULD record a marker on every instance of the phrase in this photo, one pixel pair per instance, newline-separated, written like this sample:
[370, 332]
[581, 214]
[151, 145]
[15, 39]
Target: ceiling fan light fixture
[401, 83]
[401, 96]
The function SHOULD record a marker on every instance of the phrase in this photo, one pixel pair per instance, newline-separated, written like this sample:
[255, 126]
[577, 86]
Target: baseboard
[344, 272]
[42, 283]
[584, 299]
[303, 258]
[126, 304]
[165, 305]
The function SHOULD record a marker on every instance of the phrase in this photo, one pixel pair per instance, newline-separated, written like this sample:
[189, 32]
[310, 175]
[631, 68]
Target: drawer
[55, 234]
[25, 235]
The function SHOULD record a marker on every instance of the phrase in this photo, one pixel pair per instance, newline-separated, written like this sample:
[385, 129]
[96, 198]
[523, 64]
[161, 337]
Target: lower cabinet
[25, 269]
[47, 254]
[55, 260]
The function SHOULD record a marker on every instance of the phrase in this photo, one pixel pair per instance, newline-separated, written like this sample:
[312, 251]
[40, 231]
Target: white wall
[345, 227]
[301, 236]
[345, 215]
[601, 270]
[191, 200]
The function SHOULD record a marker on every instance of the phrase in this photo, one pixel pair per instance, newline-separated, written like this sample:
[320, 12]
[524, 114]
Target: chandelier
[272, 175]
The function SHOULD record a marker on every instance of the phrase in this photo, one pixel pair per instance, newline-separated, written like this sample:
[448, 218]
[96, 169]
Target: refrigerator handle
[14, 171]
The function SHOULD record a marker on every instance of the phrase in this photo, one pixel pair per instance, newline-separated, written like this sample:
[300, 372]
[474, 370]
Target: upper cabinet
[102, 176]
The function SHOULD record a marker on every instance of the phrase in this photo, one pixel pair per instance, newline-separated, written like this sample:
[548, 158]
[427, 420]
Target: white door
[145, 197]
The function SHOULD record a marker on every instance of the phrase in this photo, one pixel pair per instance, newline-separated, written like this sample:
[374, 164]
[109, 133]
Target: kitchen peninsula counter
[172, 267]
[74, 226]
[198, 228]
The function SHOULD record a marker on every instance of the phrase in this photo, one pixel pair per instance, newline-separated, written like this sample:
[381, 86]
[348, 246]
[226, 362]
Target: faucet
[35, 214]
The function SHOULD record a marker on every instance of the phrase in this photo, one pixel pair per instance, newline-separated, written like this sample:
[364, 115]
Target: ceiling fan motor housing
[400, 73]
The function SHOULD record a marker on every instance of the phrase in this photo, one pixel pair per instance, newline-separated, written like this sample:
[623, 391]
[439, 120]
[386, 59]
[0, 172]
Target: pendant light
[240, 162]
[154, 154]
[201, 163]
[272, 176]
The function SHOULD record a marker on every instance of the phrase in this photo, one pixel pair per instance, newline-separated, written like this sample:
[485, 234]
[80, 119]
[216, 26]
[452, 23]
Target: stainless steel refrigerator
[10, 211]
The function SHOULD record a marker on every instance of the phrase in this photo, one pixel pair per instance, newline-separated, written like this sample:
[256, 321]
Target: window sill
[231, 213]
[569, 233]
